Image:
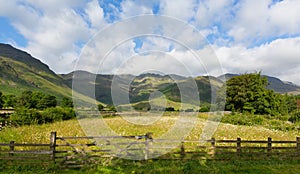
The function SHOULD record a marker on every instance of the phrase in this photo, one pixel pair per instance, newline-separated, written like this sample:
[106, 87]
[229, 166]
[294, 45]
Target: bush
[189, 110]
[25, 116]
[111, 108]
[281, 125]
[67, 103]
[243, 119]
[51, 115]
[295, 117]
[100, 107]
[170, 109]
[204, 109]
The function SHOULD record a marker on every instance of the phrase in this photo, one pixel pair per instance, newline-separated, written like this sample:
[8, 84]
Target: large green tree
[25, 100]
[36, 100]
[46, 101]
[248, 92]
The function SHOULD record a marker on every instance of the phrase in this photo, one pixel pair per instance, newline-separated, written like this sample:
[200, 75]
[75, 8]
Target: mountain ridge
[274, 83]
[20, 71]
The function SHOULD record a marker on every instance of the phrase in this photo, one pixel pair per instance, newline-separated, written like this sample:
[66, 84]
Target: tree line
[37, 108]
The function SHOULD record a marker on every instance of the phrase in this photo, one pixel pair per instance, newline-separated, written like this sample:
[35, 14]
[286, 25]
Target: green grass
[271, 122]
[24, 77]
[120, 166]
[41, 133]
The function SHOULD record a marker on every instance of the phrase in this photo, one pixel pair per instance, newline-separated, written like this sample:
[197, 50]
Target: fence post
[269, 145]
[298, 144]
[213, 146]
[53, 145]
[238, 146]
[182, 150]
[11, 148]
[148, 137]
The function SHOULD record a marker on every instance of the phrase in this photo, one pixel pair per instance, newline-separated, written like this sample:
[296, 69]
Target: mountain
[20, 71]
[140, 88]
[274, 83]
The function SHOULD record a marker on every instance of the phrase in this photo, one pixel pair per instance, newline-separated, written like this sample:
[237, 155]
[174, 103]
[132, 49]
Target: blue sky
[245, 36]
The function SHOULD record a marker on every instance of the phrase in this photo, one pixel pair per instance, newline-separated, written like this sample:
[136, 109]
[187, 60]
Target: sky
[185, 37]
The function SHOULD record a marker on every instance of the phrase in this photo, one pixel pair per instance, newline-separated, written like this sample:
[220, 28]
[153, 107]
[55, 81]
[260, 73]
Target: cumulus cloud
[95, 15]
[135, 8]
[54, 29]
[250, 35]
[256, 23]
[279, 58]
[210, 12]
[183, 10]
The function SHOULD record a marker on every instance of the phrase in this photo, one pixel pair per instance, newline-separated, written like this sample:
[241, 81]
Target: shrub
[25, 116]
[243, 119]
[170, 109]
[57, 114]
[189, 110]
[204, 109]
[100, 107]
[295, 117]
[111, 108]
[67, 103]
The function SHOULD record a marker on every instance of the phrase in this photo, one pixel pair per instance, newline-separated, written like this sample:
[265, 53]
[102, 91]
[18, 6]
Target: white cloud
[211, 11]
[183, 10]
[258, 21]
[95, 15]
[285, 16]
[54, 29]
[279, 58]
[133, 8]
[53, 5]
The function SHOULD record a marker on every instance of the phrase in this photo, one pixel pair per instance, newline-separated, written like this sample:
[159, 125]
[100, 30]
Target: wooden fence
[77, 151]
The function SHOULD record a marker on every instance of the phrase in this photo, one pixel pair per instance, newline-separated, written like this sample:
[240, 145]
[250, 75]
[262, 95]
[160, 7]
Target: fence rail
[77, 151]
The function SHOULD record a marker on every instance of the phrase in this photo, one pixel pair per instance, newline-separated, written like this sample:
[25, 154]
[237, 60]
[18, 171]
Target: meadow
[40, 133]
[121, 126]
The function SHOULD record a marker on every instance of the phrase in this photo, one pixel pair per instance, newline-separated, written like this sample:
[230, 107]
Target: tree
[289, 103]
[295, 116]
[9, 100]
[66, 103]
[36, 100]
[100, 107]
[248, 93]
[46, 102]
[25, 100]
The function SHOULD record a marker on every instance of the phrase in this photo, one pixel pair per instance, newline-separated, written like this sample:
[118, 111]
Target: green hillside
[19, 71]
[142, 86]
[16, 77]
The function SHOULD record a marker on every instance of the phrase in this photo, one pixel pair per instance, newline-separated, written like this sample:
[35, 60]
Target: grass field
[121, 166]
[41, 133]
